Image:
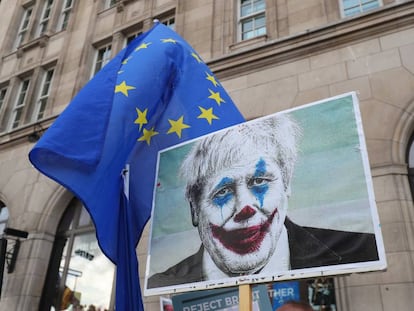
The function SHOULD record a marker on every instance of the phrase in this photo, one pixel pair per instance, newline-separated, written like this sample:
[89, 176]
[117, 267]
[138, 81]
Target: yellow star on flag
[143, 46]
[142, 118]
[123, 88]
[177, 126]
[168, 40]
[216, 96]
[147, 135]
[196, 57]
[125, 61]
[207, 114]
[212, 79]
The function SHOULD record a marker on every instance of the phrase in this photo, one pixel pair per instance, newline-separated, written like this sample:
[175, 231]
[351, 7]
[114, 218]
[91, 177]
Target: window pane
[260, 22]
[246, 10]
[92, 273]
[104, 55]
[353, 7]
[352, 11]
[261, 31]
[2, 96]
[350, 3]
[259, 5]
[247, 26]
[370, 5]
[248, 35]
[4, 216]
[17, 116]
[84, 219]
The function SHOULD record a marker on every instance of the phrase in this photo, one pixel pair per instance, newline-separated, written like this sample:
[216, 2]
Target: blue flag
[155, 93]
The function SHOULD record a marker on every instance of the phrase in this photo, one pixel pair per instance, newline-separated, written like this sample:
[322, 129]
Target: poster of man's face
[284, 196]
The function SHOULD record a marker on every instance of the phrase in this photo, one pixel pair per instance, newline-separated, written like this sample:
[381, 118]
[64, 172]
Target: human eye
[222, 192]
[222, 196]
[258, 181]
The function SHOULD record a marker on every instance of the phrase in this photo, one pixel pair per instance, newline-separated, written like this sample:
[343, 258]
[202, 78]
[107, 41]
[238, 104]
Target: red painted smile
[243, 241]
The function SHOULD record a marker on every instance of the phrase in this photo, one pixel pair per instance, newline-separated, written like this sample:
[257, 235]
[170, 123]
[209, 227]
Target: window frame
[21, 36]
[360, 4]
[252, 16]
[44, 94]
[169, 21]
[3, 94]
[103, 54]
[45, 17]
[64, 15]
[129, 37]
[109, 4]
[18, 110]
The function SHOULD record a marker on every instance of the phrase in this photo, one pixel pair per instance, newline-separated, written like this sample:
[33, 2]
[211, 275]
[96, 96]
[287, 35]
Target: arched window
[79, 273]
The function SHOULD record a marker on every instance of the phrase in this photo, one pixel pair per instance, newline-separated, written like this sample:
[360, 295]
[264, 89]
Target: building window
[18, 109]
[79, 274]
[43, 96]
[130, 37]
[252, 19]
[4, 216]
[103, 56]
[3, 92]
[169, 22]
[45, 17]
[65, 14]
[109, 3]
[24, 27]
[354, 7]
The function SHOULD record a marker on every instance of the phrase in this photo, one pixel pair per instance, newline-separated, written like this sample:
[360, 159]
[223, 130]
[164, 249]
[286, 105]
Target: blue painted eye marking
[223, 192]
[259, 183]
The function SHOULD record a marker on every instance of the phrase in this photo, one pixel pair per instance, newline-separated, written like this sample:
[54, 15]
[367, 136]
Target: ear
[194, 214]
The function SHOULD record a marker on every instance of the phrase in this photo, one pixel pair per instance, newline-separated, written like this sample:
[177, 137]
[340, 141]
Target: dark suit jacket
[309, 247]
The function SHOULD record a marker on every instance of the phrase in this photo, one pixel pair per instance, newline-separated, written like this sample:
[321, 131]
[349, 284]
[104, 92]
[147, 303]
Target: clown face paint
[241, 214]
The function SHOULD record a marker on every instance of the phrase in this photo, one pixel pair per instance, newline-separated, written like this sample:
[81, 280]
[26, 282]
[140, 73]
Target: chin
[234, 264]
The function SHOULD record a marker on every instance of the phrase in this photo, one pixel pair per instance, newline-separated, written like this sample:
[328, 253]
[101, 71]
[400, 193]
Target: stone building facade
[270, 55]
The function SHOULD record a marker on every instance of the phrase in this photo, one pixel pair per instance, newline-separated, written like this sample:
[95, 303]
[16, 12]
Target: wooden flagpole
[245, 297]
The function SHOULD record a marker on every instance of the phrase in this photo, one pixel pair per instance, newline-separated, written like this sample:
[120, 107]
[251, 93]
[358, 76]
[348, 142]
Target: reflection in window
[252, 18]
[88, 274]
[354, 7]
[79, 274]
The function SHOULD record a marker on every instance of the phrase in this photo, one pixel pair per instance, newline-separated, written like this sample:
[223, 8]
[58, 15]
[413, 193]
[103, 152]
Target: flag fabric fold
[157, 92]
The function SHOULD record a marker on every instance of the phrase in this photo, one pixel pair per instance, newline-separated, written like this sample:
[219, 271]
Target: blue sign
[282, 292]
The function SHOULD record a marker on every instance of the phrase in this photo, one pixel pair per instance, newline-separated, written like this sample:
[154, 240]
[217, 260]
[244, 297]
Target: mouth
[243, 241]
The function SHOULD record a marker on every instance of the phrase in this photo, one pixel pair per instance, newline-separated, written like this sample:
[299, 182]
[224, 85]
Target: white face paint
[241, 213]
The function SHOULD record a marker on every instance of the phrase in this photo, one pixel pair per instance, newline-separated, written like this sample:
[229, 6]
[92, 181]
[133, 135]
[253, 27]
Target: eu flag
[157, 92]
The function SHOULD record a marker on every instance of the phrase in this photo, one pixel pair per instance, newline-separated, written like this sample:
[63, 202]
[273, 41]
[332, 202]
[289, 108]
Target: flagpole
[245, 297]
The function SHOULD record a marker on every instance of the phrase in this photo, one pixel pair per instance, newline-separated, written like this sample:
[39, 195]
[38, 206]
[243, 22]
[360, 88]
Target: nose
[244, 214]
